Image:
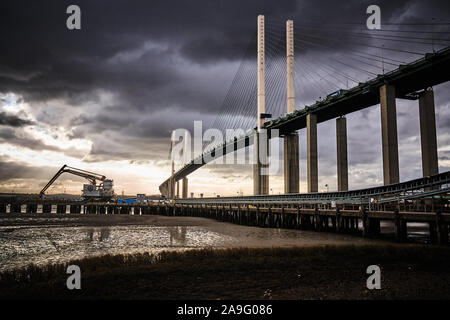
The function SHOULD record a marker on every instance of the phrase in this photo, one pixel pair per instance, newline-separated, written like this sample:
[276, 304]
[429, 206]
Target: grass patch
[330, 272]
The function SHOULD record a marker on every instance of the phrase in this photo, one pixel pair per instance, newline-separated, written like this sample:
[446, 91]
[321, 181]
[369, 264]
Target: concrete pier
[428, 133]
[185, 188]
[290, 88]
[171, 191]
[312, 164]
[261, 72]
[291, 164]
[389, 135]
[341, 148]
[291, 148]
[260, 181]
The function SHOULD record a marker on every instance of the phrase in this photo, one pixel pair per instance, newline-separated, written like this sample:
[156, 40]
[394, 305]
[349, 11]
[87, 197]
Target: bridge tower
[171, 191]
[311, 153]
[391, 172]
[341, 150]
[291, 149]
[428, 133]
[187, 157]
[261, 143]
[185, 188]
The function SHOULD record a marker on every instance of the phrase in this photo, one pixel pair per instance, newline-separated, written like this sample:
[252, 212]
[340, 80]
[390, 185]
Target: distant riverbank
[315, 272]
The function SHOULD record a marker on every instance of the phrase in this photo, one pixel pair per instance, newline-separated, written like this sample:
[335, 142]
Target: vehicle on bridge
[336, 94]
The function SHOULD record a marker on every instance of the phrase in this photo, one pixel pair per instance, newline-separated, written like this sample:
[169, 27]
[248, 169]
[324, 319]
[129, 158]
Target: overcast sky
[105, 98]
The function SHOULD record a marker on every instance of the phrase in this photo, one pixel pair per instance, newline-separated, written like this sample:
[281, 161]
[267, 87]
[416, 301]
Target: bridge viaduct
[413, 81]
[424, 200]
[357, 212]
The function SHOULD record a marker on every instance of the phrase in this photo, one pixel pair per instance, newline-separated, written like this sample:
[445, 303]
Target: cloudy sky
[105, 98]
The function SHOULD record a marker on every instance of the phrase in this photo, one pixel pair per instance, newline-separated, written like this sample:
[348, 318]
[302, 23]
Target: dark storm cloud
[176, 56]
[30, 178]
[13, 170]
[43, 59]
[12, 120]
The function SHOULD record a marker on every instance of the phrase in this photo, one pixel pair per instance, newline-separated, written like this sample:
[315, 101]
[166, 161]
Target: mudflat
[408, 271]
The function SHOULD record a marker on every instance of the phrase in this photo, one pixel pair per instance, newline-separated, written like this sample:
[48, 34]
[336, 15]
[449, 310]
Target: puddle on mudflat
[43, 239]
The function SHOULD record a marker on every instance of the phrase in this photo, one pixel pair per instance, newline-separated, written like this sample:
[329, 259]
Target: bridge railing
[417, 188]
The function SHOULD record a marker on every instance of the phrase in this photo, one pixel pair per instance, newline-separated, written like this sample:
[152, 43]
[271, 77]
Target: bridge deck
[428, 71]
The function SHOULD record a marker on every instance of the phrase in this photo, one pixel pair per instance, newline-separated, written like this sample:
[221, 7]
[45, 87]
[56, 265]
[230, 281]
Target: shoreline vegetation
[408, 271]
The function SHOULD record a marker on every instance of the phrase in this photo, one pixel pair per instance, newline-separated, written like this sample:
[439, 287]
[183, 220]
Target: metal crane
[102, 191]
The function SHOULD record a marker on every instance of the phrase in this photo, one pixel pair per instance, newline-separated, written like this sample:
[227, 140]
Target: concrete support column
[341, 148]
[260, 167]
[261, 72]
[185, 188]
[291, 149]
[389, 134]
[312, 164]
[291, 164]
[178, 188]
[171, 191]
[428, 134]
[290, 88]
[260, 180]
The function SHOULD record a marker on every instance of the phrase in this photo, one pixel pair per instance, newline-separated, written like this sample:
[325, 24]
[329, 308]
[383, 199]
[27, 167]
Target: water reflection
[48, 239]
[177, 235]
[102, 234]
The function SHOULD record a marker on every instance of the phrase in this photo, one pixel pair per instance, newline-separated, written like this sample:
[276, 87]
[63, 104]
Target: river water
[50, 238]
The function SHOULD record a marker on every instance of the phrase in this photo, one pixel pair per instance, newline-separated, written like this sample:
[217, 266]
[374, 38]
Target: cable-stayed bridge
[400, 61]
[373, 71]
[340, 69]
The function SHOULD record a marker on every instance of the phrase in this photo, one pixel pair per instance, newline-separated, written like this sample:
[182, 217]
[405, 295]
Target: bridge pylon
[428, 133]
[185, 188]
[311, 153]
[291, 148]
[260, 167]
[391, 172]
[341, 151]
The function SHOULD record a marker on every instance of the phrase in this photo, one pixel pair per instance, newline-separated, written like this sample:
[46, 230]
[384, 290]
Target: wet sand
[199, 258]
[51, 238]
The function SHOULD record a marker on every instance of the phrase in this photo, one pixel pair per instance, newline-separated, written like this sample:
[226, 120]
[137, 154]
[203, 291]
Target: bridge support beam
[389, 135]
[290, 87]
[178, 189]
[291, 164]
[312, 166]
[341, 148]
[428, 134]
[261, 166]
[261, 150]
[185, 188]
[291, 150]
[171, 191]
